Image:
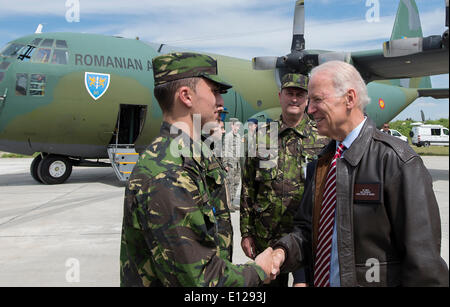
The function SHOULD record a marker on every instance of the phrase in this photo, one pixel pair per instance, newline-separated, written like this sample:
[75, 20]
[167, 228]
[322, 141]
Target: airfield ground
[69, 234]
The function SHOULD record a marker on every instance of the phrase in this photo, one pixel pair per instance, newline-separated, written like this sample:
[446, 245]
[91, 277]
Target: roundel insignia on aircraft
[381, 103]
[96, 84]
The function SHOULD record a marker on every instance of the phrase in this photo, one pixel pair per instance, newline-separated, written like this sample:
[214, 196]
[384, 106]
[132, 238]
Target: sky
[238, 28]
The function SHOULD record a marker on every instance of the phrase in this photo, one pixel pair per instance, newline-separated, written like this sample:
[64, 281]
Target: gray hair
[345, 76]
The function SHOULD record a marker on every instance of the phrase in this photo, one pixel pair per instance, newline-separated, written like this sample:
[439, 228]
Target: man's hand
[248, 246]
[278, 257]
[264, 260]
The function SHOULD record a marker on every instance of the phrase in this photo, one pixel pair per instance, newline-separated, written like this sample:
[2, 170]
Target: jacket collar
[192, 151]
[354, 154]
[299, 129]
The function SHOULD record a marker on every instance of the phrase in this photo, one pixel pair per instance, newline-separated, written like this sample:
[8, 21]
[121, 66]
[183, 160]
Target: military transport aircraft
[75, 98]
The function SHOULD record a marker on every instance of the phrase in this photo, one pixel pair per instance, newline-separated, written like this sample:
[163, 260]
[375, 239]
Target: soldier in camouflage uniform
[176, 227]
[273, 185]
[233, 150]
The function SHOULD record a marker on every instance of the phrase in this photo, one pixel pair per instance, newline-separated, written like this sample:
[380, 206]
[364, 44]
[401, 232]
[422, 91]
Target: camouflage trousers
[234, 184]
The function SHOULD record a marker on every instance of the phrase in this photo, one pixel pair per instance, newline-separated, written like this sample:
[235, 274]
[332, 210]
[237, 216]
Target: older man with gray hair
[369, 216]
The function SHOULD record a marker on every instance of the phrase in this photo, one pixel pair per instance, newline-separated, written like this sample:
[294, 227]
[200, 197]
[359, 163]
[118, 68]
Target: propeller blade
[445, 38]
[298, 38]
[264, 62]
[422, 115]
[446, 13]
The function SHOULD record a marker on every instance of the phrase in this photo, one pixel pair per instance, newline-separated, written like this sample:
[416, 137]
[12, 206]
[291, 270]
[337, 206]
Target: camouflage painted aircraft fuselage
[58, 115]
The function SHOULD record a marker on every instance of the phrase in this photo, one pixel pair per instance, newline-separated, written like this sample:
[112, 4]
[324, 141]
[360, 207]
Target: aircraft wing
[373, 65]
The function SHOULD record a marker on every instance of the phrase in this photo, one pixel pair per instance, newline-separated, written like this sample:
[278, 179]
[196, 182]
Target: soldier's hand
[278, 257]
[264, 260]
[248, 246]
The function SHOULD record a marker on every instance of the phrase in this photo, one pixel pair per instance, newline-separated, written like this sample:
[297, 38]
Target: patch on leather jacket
[367, 192]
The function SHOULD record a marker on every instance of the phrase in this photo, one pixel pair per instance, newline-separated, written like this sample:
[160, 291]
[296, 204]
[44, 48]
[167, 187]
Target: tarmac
[69, 234]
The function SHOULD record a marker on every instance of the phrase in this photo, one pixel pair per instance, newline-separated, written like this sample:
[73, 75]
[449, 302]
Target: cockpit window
[47, 43]
[61, 44]
[4, 65]
[21, 84]
[37, 85]
[42, 55]
[57, 54]
[60, 56]
[36, 41]
[26, 53]
[11, 49]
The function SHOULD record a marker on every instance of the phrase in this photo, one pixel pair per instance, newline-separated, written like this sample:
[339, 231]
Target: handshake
[271, 261]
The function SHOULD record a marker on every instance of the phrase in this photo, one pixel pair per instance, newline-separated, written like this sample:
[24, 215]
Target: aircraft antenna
[39, 29]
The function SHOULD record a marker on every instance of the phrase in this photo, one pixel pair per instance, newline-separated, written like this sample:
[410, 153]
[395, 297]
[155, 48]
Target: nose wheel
[51, 169]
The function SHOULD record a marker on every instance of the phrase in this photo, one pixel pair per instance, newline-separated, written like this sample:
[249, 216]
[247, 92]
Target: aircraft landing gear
[51, 169]
[34, 168]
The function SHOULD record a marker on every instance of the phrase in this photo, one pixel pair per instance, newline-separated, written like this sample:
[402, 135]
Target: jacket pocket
[266, 168]
[378, 274]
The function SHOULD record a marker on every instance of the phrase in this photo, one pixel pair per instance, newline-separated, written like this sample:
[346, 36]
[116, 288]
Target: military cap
[179, 65]
[295, 80]
[252, 120]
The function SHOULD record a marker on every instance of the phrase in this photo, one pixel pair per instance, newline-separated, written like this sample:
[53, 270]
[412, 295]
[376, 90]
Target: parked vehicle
[395, 133]
[426, 135]
[399, 135]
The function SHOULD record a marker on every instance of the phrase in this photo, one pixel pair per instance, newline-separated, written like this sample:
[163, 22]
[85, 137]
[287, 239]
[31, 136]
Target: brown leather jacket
[386, 210]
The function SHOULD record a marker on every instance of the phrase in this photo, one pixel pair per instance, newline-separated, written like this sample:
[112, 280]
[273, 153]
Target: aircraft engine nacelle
[335, 56]
[407, 46]
[445, 39]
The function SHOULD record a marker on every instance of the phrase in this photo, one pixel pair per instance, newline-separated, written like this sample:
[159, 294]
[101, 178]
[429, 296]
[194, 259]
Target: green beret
[294, 80]
[181, 65]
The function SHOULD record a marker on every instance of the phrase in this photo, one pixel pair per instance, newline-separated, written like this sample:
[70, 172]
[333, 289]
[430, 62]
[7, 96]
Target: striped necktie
[326, 223]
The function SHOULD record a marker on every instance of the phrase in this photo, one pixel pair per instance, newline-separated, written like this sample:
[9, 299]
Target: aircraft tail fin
[407, 22]
[407, 25]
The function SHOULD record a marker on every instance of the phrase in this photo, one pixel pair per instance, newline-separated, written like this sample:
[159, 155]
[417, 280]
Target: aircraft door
[130, 122]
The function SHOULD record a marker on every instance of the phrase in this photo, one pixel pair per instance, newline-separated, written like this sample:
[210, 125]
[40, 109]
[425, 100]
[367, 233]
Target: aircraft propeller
[302, 61]
[299, 60]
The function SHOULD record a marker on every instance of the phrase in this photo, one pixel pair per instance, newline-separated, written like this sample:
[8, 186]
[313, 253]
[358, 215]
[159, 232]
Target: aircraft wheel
[54, 169]
[34, 168]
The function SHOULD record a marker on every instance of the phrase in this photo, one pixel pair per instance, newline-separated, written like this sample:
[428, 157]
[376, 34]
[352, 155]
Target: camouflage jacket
[176, 227]
[273, 185]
